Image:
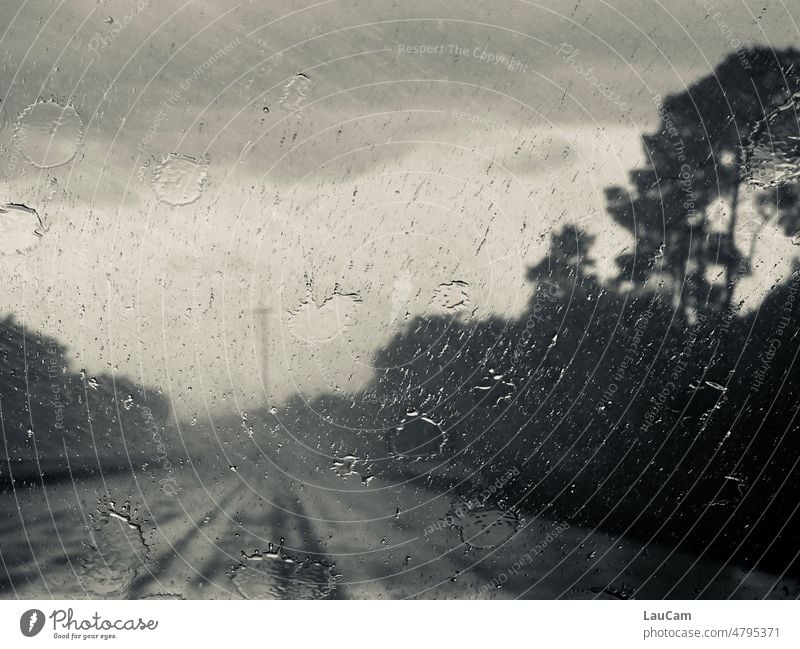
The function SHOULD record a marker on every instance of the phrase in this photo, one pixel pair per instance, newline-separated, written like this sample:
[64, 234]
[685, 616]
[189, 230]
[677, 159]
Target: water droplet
[730, 492]
[49, 134]
[295, 93]
[451, 297]
[246, 427]
[487, 528]
[345, 466]
[315, 324]
[179, 179]
[20, 229]
[625, 592]
[274, 575]
[115, 552]
[417, 438]
[772, 155]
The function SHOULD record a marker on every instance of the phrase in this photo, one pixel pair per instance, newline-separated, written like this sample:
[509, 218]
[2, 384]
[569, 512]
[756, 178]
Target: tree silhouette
[696, 160]
[60, 422]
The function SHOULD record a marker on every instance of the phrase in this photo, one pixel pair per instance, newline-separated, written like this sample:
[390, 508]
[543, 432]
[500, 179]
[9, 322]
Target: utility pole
[262, 336]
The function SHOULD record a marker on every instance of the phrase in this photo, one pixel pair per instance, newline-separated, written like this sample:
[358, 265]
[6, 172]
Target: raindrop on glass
[49, 134]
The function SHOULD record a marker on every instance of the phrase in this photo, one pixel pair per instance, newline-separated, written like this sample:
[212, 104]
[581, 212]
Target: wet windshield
[396, 300]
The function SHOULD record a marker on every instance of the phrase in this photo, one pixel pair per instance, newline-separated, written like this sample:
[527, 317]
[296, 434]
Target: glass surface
[399, 300]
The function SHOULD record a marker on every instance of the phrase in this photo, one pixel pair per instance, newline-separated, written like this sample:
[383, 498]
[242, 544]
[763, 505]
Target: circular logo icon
[31, 622]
